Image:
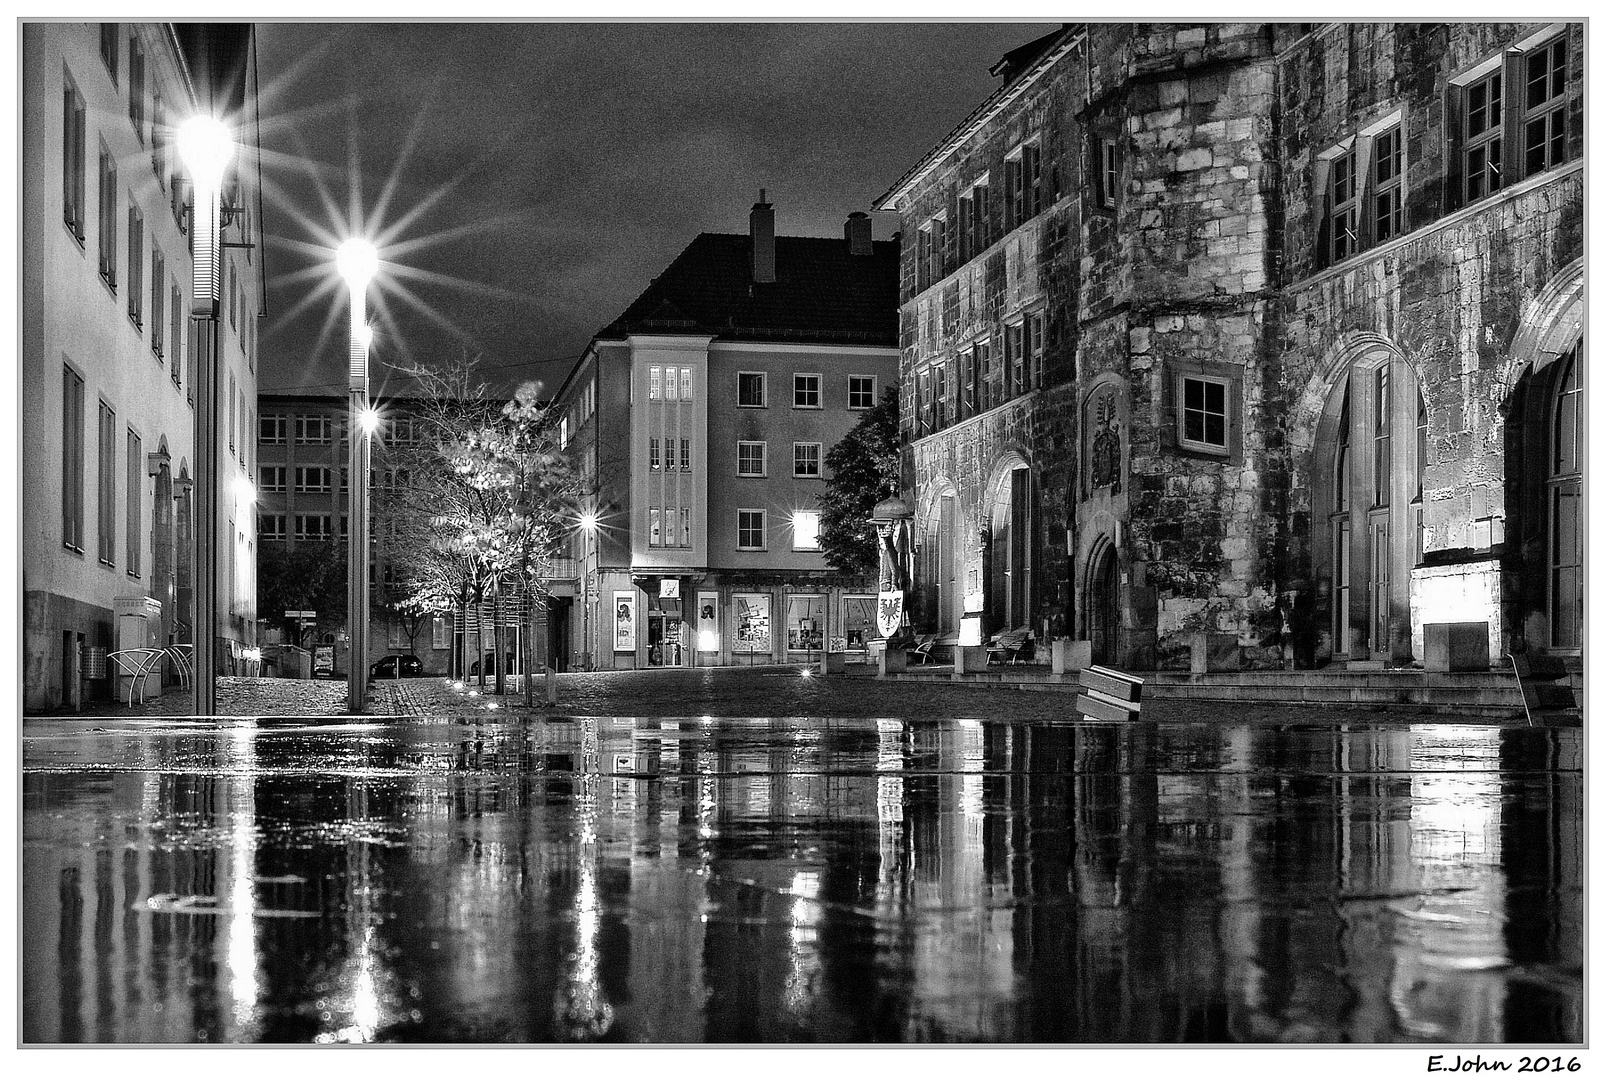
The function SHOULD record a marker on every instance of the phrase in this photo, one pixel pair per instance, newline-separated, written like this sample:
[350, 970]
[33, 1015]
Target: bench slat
[1118, 687]
[1095, 709]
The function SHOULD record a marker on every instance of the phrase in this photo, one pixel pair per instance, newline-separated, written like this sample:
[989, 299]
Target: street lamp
[357, 262]
[588, 526]
[206, 146]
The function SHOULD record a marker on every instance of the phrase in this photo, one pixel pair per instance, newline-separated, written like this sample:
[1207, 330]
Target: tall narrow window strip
[72, 464]
[655, 377]
[652, 453]
[108, 49]
[685, 384]
[108, 217]
[136, 483]
[1544, 117]
[176, 310]
[72, 160]
[1388, 171]
[1482, 137]
[1382, 438]
[136, 87]
[106, 469]
[671, 384]
[685, 455]
[136, 265]
[158, 302]
[1343, 215]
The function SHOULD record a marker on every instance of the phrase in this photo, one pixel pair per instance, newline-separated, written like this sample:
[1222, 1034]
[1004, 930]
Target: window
[972, 224]
[233, 415]
[72, 459]
[750, 530]
[177, 330]
[685, 455]
[672, 384]
[861, 391]
[1107, 177]
[108, 48]
[1202, 416]
[1023, 184]
[316, 527]
[270, 527]
[655, 383]
[136, 266]
[1544, 114]
[655, 527]
[158, 302]
[967, 383]
[652, 454]
[1034, 349]
[1014, 360]
[272, 429]
[806, 530]
[136, 87]
[750, 459]
[685, 526]
[685, 384]
[72, 160]
[943, 373]
[272, 477]
[1362, 189]
[750, 389]
[234, 282]
[930, 252]
[984, 375]
[108, 218]
[1382, 437]
[158, 137]
[806, 459]
[923, 423]
[805, 391]
[312, 478]
[312, 429]
[670, 538]
[106, 508]
[402, 432]
[136, 477]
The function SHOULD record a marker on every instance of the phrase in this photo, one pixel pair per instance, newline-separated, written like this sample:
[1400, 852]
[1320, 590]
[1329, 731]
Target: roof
[822, 294]
[1018, 69]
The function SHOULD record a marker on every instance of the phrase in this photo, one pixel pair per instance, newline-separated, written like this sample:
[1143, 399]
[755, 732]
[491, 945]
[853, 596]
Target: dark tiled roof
[821, 294]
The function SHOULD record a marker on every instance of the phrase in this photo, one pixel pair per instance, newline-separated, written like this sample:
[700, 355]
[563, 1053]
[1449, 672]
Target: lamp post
[588, 525]
[357, 262]
[206, 147]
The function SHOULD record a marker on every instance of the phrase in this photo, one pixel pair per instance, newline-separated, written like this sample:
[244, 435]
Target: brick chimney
[857, 232]
[761, 226]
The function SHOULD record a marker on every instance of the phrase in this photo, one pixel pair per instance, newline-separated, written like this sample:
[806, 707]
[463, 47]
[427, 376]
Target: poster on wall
[708, 622]
[624, 622]
[752, 623]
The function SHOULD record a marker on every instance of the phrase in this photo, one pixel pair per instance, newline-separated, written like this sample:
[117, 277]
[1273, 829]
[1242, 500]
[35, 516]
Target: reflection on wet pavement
[771, 880]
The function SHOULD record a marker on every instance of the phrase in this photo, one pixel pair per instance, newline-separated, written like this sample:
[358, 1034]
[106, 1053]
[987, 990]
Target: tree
[865, 468]
[307, 577]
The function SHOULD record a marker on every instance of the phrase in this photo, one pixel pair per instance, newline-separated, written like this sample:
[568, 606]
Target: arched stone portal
[1007, 561]
[1103, 594]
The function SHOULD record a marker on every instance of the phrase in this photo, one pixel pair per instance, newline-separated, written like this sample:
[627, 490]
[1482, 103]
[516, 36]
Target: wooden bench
[922, 648]
[1011, 646]
[1111, 695]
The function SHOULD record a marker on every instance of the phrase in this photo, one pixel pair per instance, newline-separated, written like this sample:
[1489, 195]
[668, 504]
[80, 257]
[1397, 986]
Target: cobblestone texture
[771, 691]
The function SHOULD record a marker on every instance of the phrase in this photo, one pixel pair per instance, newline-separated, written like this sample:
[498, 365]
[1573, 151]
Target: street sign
[301, 614]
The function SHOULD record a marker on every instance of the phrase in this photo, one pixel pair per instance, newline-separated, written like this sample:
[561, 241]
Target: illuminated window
[652, 454]
[806, 530]
[671, 384]
[806, 459]
[655, 383]
[685, 455]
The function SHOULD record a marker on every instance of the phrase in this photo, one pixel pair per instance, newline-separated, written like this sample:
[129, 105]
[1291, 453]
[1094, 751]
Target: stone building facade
[1309, 363]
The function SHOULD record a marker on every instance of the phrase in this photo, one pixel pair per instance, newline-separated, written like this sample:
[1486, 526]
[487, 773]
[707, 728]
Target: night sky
[528, 180]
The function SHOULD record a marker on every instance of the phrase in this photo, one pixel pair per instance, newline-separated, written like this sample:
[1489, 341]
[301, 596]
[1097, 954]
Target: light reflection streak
[241, 933]
[803, 957]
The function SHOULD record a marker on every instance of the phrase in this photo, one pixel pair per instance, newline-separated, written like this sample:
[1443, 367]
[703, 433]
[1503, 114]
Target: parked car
[386, 667]
[508, 665]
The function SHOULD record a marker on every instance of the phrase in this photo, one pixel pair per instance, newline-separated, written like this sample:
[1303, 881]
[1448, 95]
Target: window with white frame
[685, 455]
[273, 429]
[1361, 191]
[316, 527]
[654, 462]
[806, 459]
[805, 391]
[655, 527]
[861, 391]
[750, 389]
[270, 527]
[750, 459]
[806, 530]
[310, 478]
[655, 383]
[272, 477]
[750, 530]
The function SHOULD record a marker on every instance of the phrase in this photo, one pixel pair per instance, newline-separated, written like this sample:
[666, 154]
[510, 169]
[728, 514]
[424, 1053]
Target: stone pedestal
[1215, 652]
[969, 658]
[833, 663]
[893, 661]
[1457, 646]
[1067, 656]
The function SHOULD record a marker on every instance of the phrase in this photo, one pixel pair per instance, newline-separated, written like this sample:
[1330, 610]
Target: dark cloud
[580, 159]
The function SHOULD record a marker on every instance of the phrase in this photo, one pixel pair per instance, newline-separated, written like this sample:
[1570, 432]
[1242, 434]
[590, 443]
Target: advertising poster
[708, 622]
[752, 623]
[624, 622]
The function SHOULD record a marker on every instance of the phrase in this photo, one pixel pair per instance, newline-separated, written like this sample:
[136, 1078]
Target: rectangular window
[861, 391]
[316, 527]
[108, 48]
[986, 398]
[72, 459]
[106, 471]
[234, 285]
[967, 383]
[685, 526]
[655, 527]
[1032, 179]
[806, 459]
[312, 478]
[270, 527]
[1034, 349]
[750, 530]
[1014, 360]
[750, 389]
[136, 266]
[1107, 176]
[136, 87]
[1344, 209]
[750, 459]
[158, 302]
[805, 391]
[158, 137]
[273, 429]
[655, 383]
[312, 429]
[685, 455]
[1387, 196]
[685, 384]
[272, 477]
[233, 415]
[806, 530]
[176, 310]
[1544, 113]
[923, 396]
[1382, 436]
[653, 461]
[672, 384]
[944, 375]
[136, 484]
[1202, 418]
[72, 159]
[108, 217]
[1014, 201]
[1481, 131]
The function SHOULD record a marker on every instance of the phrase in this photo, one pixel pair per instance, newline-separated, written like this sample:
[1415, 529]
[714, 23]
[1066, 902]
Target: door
[1104, 609]
[1564, 490]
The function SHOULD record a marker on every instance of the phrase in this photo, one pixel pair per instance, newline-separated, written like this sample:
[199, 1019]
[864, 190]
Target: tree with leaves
[306, 577]
[865, 468]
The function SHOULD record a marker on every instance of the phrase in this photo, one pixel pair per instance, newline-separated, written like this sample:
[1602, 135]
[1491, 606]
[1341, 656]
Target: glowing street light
[206, 147]
[357, 262]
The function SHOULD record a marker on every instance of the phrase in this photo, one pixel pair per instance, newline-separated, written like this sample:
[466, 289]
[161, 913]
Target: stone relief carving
[1104, 460]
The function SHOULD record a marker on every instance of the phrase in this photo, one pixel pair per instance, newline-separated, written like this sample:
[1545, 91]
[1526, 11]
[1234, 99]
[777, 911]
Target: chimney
[761, 225]
[857, 231]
